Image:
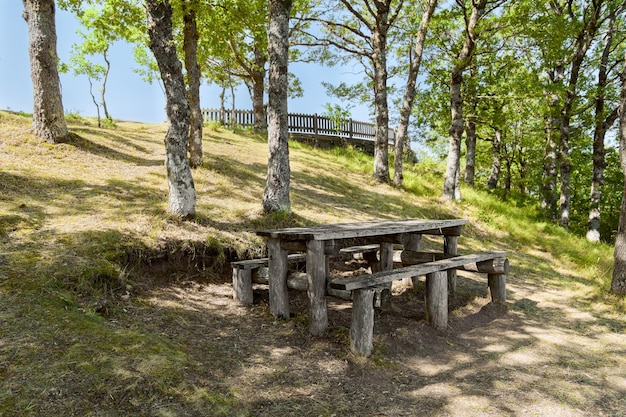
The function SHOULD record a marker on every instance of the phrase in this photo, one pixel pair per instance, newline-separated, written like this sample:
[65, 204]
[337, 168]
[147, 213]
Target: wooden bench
[243, 272]
[365, 252]
[250, 271]
[363, 287]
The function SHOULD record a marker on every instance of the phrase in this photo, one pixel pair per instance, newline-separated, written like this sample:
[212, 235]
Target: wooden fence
[302, 123]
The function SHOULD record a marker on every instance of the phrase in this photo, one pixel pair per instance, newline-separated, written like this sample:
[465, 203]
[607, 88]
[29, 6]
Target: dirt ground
[538, 356]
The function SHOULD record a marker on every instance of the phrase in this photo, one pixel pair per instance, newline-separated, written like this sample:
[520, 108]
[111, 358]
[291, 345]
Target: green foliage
[213, 125]
[337, 115]
[73, 115]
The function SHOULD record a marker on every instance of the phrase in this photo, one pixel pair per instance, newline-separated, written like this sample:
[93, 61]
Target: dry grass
[109, 307]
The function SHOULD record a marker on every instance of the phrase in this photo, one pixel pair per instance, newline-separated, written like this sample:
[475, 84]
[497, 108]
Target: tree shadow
[100, 150]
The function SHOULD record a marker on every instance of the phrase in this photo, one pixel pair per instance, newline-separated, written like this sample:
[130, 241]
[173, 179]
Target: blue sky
[128, 96]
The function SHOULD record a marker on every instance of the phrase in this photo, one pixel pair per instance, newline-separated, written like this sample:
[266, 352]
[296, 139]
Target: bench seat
[244, 269]
[494, 264]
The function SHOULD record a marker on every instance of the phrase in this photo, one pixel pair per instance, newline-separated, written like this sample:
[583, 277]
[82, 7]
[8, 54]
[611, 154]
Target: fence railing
[301, 123]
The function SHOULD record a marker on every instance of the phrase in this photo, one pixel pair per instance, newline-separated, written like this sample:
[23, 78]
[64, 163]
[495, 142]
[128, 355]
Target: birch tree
[276, 194]
[190, 47]
[359, 30]
[451, 190]
[48, 115]
[182, 195]
[618, 282]
[605, 116]
[415, 60]
[591, 21]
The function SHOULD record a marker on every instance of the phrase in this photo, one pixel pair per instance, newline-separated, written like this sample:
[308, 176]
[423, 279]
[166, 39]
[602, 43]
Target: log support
[316, 266]
[497, 288]
[450, 244]
[411, 242]
[386, 264]
[437, 300]
[242, 285]
[279, 297]
[362, 327]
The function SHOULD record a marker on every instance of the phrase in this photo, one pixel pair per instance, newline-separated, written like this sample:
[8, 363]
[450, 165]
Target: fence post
[350, 128]
[315, 123]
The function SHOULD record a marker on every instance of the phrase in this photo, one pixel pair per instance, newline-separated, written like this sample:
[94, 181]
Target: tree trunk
[409, 93]
[276, 194]
[618, 282]
[450, 191]
[565, 164]
[456, 131]
[583, 42]
[550, 158]
[548, 198]
[182, 195]
[258, 91]
[233, 108]
[602, 124]
[104, 83]
[492, 182]
[381, 108]
[507, 182]
[223, 106]
[190, 46]
[470, 146]
[48, 116]
[95, 102]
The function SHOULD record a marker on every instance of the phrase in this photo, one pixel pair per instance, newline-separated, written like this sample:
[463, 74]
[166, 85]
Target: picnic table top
[363, 229]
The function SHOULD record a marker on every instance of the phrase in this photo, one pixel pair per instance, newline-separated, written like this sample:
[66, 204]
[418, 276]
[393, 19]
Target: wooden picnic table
[319, 242]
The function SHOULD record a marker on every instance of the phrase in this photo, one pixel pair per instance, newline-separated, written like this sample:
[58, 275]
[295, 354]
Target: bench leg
[362, 328]
[497, 288]
[450, 244]
[316, 277]
[242, 285]
[437, 300]
[279, 296]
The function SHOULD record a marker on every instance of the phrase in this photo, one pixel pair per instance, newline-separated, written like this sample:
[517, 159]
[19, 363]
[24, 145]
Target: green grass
[83, 227]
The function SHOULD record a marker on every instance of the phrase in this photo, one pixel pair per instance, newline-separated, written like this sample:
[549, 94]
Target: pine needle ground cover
[109, 307]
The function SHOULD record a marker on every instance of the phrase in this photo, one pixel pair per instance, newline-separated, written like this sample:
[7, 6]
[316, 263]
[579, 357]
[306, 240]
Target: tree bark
[450, 187]
[409, 93]
[602, 124]
[48, 116]
[276, 194]
[105, 78]
[470, 146]
[548, 197]
[381, 107]
[190, 46]
[492, 182]
[258, 90]
[182, 195]
[583, 42]
[95, 102]
[618, 282]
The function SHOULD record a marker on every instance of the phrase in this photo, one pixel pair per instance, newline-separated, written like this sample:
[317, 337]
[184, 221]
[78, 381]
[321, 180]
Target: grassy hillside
[110, 307]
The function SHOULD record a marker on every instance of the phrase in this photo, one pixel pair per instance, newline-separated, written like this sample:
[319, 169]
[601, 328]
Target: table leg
[437, 300]
[497, 288]
[279, 296]
[386, 264]
[362, 327]
[411, 242]
[316, 276]
[450, 248]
